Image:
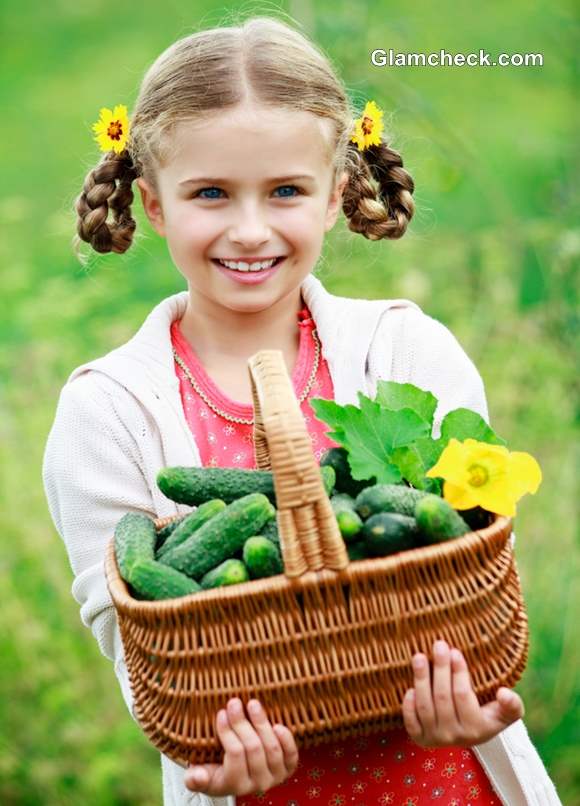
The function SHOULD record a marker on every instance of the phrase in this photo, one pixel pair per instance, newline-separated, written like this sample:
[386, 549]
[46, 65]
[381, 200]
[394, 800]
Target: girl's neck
[217, 334]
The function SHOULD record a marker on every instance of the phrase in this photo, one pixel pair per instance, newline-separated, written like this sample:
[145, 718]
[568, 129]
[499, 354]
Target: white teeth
[243, 266]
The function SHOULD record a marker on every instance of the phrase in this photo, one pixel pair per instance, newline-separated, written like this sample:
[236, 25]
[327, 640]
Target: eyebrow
[221, 181]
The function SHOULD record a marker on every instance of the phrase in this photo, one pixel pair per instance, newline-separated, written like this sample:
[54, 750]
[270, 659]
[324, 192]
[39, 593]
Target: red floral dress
[376, 770]
[381, 769]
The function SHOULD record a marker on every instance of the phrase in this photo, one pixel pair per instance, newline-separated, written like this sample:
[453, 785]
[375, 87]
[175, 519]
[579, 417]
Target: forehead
[248, 142]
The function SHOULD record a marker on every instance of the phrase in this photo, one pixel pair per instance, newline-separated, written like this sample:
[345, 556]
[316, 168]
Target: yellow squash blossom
[112, 128]
[369, 127]
[485, 475]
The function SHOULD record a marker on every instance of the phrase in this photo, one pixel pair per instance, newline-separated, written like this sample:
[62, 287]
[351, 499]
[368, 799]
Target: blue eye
[206, 189]
[284, 196]
[292, 187]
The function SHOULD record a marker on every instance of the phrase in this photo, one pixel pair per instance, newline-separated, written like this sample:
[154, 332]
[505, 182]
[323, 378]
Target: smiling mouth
[276, 262]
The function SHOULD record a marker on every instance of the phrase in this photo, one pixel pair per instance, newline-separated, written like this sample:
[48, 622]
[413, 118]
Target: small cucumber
[328, 479]
[191, 522]
[347, 518]
[230, 572]
[477, 518]
[221, 537]
[357, 551]
[261, 557]
[437, 519]
[337, 458]
[165, 531]
[196, 485]
[152, 580]
[389, 532]
[388, 498]
[134, 540]
[270, 530]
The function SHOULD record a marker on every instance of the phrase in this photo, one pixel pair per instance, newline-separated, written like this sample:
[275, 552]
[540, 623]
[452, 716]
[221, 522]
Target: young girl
[245, 148]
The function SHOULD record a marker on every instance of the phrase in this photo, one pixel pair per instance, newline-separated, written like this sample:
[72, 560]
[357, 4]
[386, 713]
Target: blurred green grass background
[492, 252]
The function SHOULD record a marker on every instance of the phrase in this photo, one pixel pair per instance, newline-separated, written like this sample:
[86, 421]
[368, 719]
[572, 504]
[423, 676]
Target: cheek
[193, 229]
[304, 224]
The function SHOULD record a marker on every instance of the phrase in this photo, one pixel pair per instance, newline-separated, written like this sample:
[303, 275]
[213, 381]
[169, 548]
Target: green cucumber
[165, 531]
[388, 498]
[328, 479]
[357, 551]
[477, 518]
[151, 580]
[230, 572]
[196, 485]
[347, 518]
[192, 522]
[389, 532]
[261, 557]
[271, 531]
[221, 537]
[337, 458]
[438, 520]
[134, 540]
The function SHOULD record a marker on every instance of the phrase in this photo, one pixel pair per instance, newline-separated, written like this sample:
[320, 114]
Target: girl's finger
[269, 739]
[423, 700]
[466, 703]
[442, 696]
[412, 724]
[235, 768]
[256, 762]
[288, 747]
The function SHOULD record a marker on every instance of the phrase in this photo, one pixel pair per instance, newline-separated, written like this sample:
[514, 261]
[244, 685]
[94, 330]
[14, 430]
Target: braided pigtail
[107, 186]
[377, 214]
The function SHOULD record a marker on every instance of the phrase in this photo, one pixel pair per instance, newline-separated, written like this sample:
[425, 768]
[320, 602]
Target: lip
[249, 277]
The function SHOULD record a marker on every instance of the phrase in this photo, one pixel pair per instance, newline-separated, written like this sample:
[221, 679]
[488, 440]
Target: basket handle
[309, 535]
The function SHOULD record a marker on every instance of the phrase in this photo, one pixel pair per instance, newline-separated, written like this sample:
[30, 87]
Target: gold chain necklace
[246, 420]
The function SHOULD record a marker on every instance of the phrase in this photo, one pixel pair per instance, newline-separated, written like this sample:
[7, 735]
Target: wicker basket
[326, 647]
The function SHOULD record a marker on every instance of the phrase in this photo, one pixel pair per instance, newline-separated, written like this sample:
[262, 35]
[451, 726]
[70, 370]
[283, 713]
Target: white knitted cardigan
[119, 419]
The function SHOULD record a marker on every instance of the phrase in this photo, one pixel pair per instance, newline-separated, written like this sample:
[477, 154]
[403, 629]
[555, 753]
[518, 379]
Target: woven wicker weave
[326, 647]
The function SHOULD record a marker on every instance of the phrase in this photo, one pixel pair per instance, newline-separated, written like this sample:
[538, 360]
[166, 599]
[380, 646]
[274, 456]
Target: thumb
[501, 712]
[197, 778]
[511, 705]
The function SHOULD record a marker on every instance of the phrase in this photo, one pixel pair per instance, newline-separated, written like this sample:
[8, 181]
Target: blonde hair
[263, 59]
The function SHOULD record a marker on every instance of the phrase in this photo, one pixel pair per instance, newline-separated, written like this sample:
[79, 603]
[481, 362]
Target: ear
[152, 206]
[335, 202]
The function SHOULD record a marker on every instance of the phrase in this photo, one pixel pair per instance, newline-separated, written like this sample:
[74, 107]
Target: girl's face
[247, 184]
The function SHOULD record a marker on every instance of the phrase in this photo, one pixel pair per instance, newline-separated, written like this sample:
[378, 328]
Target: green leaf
[370, 434]
[464, 423]
[414, 460]
[394, 395]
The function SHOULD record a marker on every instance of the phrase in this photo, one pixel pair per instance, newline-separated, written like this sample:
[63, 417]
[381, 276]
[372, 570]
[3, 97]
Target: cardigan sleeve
[427, 354]
[91, 478]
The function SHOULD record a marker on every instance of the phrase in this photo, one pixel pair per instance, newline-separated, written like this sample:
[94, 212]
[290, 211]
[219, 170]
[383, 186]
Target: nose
[250, 228]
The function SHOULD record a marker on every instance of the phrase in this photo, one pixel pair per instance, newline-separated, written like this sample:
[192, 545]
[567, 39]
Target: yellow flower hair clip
[112, 129]
[369, 127]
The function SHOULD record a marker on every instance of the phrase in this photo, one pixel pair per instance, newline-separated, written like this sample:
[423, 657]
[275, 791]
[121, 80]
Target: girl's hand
[257, 755]
[448, 713]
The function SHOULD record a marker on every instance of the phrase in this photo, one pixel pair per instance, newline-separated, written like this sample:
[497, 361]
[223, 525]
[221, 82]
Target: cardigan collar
[345, 327]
